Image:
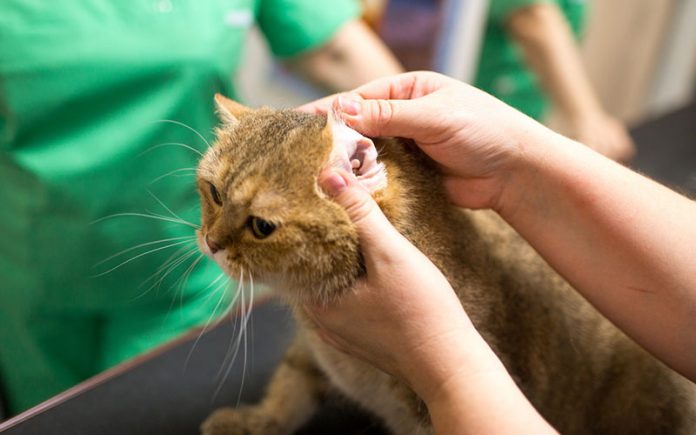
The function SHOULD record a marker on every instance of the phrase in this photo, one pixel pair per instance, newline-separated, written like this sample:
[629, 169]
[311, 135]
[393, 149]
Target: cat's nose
[212, 245]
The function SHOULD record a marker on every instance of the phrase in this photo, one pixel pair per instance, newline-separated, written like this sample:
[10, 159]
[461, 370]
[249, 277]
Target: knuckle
[358, 208]
[380, 115]
[385, 111]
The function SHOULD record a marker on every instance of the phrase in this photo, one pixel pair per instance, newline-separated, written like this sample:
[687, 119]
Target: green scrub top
[502, 71]
[89, 93]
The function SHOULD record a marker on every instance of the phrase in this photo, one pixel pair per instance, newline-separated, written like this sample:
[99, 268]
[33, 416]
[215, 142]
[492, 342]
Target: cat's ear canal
[354, 153]
[228, 110]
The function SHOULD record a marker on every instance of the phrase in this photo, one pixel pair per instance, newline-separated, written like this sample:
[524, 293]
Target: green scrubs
[85, 92]
[502, 71]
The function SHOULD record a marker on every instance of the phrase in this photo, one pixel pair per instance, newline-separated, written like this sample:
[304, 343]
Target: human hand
[476, 139]
[604, 134]
[418, 330]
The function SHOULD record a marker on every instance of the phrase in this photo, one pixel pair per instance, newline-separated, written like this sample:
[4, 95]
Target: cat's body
[579, 371]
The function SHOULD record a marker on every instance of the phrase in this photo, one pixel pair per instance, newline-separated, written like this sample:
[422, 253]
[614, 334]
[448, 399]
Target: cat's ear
[354, 153]
[228, 110]
[338, 131]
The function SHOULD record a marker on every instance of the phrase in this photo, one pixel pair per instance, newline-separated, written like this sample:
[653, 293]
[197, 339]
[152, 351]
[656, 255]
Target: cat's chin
[303, 292]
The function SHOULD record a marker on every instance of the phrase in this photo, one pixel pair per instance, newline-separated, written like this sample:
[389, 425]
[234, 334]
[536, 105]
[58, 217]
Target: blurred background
[640, 55]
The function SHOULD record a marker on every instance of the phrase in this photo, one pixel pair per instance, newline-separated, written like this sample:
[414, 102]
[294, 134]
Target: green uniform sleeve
[295, 26]
[499, 10]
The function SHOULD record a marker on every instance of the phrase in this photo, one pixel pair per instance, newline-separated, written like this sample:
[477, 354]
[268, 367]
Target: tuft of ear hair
[228, 110]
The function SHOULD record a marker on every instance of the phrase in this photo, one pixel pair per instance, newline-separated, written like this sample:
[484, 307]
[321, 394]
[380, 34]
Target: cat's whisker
[234, 346]
[152, 251]
[171, 262]
[213, 319]
[230, 311]
[241, 341]
[175, 171]
[175, 219]
[165, 206]
[213, 283]
[147, 216]
[187, 275]
[180, 284]
[230, 352]
[142, 245]
[167, 268]
[168, 144]
[233, 318]
[245, 329]
[171, 121]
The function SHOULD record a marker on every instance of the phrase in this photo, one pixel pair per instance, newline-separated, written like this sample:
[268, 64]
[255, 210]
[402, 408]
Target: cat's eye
[260, 228]
[215, 195]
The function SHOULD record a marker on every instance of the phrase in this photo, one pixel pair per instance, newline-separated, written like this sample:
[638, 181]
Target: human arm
[626, 243]
[547, 44]
[422, 337]
[354, 55]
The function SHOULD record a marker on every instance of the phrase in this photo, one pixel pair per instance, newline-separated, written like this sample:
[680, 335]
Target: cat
[263, 214]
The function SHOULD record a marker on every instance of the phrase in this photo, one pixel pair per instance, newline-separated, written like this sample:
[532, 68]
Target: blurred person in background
[102, 103]
[530, 52]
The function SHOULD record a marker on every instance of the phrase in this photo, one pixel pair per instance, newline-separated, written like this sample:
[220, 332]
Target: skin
[447, 363]
[340, 63]
[633, 247]
[549, 49]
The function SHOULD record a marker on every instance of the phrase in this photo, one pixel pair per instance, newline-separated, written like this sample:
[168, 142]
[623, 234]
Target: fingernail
[334, 183]
[348, 105]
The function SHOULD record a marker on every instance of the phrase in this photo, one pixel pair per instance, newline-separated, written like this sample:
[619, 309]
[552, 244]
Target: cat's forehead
[279, 147]
[265, 134]
[272, 125]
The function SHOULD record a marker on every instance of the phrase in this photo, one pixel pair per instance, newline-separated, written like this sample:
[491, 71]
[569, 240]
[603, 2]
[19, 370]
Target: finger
[403, 86]
[398, 87]
[374, 230]
[319, 107]
[380, 118]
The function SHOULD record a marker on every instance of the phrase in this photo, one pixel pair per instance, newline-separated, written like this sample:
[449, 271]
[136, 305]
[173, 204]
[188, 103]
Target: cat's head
[264, 215]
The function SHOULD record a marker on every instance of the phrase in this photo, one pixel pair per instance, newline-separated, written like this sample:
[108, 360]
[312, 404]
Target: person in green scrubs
[105, 107]
[530, 60]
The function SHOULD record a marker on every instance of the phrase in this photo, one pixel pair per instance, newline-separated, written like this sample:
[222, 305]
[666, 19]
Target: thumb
[345, 189]
[377, 118]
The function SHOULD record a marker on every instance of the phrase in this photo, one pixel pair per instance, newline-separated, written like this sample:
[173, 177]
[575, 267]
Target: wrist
[486, 400]
[521, 178]
[457, 361]
[549, 165]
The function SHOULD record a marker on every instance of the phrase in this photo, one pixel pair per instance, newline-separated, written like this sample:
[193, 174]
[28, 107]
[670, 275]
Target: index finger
[318, 107]
[405, 86]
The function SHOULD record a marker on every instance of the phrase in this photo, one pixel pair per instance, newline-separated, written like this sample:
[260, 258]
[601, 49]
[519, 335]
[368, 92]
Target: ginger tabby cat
[264, 215]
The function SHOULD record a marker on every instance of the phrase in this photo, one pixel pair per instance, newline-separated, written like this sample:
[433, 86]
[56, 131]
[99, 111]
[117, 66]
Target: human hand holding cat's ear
[409, 326]
[405, 319]
[476, 139]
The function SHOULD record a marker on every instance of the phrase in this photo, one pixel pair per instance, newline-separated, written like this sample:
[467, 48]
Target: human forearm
[549, 49]
[480, 396]
[354, 55]
[626, 243]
